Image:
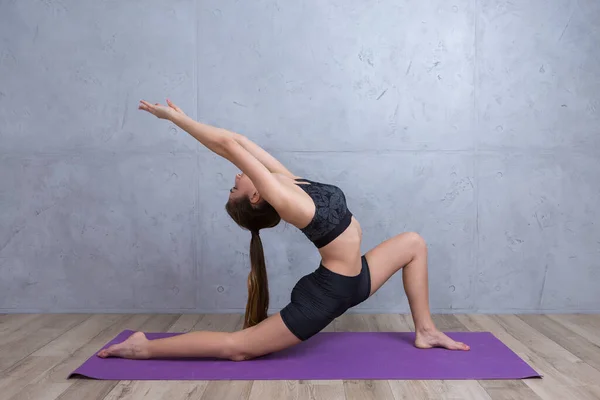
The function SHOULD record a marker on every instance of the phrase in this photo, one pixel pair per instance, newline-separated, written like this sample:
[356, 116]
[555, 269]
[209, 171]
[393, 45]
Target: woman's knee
[236, 348]
[417, 243]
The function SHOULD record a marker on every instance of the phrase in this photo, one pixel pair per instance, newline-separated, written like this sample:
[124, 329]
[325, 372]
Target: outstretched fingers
[144, 105]
[174, 107]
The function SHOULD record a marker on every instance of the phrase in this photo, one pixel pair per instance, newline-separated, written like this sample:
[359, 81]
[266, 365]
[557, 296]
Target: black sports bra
[332, 216]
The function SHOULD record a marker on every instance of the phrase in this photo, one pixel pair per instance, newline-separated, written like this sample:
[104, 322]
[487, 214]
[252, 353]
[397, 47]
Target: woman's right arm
[212, 137]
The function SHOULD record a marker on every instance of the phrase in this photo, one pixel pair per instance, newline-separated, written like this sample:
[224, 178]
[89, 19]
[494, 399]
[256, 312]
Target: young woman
[265, 193]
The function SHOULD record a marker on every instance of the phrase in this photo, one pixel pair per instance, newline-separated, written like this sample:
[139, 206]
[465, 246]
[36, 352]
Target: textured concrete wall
[472, 122]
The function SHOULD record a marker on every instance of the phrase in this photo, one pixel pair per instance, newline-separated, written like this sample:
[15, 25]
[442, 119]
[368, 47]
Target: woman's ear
[255, 197]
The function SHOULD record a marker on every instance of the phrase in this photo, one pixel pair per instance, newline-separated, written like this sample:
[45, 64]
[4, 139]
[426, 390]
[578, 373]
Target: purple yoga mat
[330, 356]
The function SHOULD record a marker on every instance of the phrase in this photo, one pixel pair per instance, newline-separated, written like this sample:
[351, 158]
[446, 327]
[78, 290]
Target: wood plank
[443, 322]
[11, 322]
[20, 375]
[330, 327]
[387, 323]
[227, 390]
[561, 378]
[274, 390]
[470, 390]
[508, 390]
[586, 326]
[184, 390]
[571, 341]
[561, 392]
[408, 320]
[367, 390]
[156, 390]
[415, 390]
[95, 390]
[51, 391]
[353, 323]
[448, 323]
[321, 390]
[30, 337]
[438, 389]
[219, 323]
[185, 323]
[24, 328]
[123, 391]
[594, 390]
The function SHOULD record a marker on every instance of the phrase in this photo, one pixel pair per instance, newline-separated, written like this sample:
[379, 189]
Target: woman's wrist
[174, 116]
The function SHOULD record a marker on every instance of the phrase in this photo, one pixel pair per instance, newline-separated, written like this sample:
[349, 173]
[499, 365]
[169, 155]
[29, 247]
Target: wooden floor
[37, 352]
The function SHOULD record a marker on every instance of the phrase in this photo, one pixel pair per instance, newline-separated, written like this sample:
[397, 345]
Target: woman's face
[243, 187]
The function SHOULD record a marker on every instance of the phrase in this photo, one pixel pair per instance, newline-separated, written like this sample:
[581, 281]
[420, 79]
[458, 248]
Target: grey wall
[472, 122]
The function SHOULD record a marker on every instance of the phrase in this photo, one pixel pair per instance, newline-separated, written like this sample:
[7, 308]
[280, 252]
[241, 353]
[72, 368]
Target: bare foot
[135, 347]
[427, 340]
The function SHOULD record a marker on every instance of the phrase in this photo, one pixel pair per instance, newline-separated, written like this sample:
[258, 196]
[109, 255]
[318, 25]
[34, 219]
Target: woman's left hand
[160, 111]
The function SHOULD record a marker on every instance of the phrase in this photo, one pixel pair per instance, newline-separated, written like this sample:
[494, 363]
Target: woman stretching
[265, 193]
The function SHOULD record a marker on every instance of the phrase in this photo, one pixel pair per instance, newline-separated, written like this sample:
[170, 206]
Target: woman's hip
[323, 295]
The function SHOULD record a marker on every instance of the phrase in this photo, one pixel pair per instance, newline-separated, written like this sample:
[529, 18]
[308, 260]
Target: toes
[460, 346]
[110, 351]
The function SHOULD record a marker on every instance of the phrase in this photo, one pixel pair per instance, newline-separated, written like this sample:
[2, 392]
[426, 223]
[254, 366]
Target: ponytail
[258, 286]
[253, 218]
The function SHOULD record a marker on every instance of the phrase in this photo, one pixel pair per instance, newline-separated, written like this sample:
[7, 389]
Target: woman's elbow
[225, 146]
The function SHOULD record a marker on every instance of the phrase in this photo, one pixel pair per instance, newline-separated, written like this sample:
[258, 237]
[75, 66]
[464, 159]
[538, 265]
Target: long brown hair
[254, 218]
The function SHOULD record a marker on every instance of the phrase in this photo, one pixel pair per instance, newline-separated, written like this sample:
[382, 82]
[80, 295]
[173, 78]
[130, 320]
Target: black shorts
[323, 295]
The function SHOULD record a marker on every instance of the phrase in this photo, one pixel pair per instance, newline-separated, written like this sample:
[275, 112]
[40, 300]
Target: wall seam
[196, 230]
[475, 282]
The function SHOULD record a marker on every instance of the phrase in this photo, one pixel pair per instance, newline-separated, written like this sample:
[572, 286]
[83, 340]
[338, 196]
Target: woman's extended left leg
[408, 251]
[269, 336]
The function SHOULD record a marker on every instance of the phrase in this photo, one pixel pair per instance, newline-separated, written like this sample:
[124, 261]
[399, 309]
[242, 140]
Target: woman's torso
[342, 252]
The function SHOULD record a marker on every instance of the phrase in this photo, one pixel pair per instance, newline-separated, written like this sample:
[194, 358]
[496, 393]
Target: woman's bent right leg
[408, 251]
